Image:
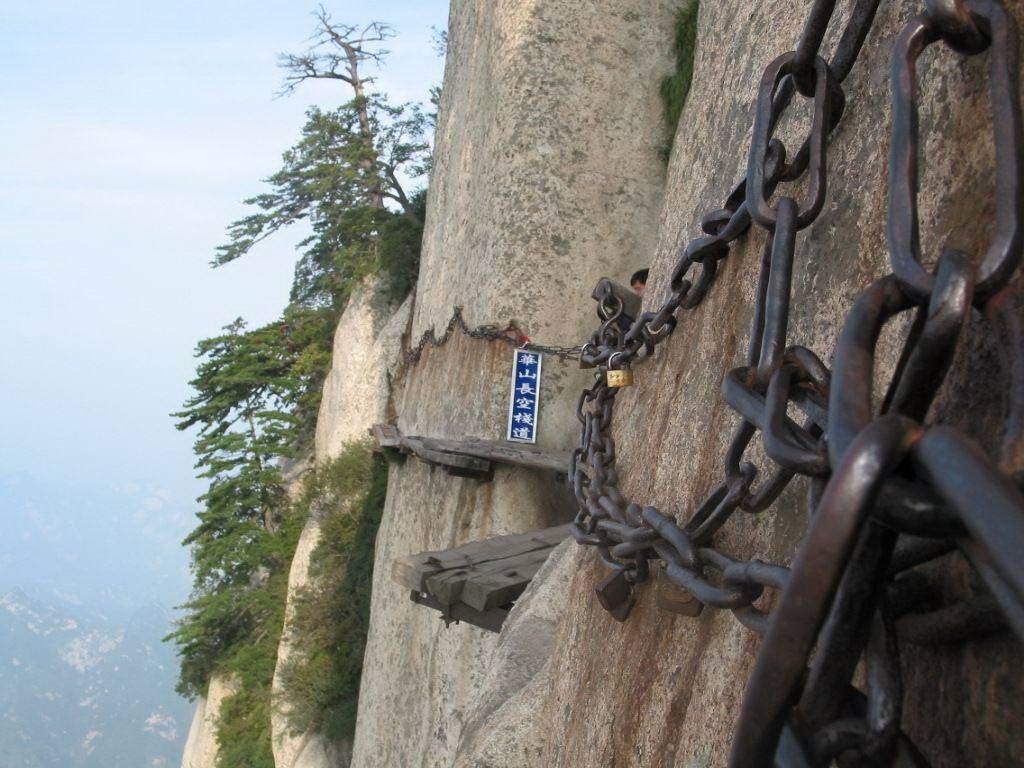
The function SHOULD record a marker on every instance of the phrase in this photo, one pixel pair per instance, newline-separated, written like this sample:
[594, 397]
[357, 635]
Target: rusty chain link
[889, 492]
[511, 334]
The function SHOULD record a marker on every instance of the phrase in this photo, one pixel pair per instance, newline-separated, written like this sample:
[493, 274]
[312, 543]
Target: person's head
[638, 281]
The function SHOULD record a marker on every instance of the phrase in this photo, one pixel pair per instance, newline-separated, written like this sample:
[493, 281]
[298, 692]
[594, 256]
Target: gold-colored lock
[621, 377]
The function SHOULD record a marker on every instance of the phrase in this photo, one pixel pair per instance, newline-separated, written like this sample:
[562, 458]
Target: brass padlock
[620, 377]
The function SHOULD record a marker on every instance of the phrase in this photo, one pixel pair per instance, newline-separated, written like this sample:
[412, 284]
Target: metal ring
[828, 105]
[662, 330]
[1003, 253]
[953, 22]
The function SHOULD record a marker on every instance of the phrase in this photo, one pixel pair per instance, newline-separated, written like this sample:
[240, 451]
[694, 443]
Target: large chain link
[888, 491]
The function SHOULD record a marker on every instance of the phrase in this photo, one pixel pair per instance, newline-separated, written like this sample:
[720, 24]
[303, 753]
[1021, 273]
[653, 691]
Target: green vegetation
[243, 727]
[340, 177]
[676, 87]
[249, 403]
[332, 614]
[255, 399]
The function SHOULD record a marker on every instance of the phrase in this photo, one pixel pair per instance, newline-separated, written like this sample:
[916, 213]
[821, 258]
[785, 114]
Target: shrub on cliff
[331, 614]
[676, 86]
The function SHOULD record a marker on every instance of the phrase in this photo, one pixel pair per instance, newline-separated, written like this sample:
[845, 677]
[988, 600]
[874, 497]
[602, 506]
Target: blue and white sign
[525, 397]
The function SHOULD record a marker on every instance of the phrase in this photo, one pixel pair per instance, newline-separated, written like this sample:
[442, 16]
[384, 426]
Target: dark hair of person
[640, 276]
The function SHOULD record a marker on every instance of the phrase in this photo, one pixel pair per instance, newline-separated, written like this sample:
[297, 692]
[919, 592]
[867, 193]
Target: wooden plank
[442, 450]
[446, 586]
[493, 556]
[412, 571]
[491, 619]
[503, 581]
[466, 466]
[502, 453]
[506, 576]
[387, 435]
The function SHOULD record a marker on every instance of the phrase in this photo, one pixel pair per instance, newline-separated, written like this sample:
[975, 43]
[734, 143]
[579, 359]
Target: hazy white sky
[131, 131]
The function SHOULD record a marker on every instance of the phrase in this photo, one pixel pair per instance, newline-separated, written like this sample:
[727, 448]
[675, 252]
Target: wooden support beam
[478, 581]
[387, 435]
[503, 453]
[472, 457]
[501, 582]
[413, 571]
[454, 463]
[488, 584]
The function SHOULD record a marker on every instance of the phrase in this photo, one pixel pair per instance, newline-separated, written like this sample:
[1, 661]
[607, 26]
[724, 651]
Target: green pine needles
[253, 398]
[676, 86]
[341, 178]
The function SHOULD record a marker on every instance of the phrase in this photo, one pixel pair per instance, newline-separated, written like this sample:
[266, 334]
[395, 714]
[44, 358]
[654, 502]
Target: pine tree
[345, 175]
[246, 396]
[256, 391]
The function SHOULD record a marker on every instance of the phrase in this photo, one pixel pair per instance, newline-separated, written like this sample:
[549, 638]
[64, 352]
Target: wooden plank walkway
[471, 457]
[477, 582]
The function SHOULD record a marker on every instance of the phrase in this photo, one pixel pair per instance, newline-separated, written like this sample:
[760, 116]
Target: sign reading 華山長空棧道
[524, 398]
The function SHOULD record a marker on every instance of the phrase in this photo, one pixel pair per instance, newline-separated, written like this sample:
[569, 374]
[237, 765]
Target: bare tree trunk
[267, 511]
[352, 47]
[376, 195]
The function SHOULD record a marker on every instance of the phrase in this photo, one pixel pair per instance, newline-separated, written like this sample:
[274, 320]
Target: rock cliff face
[525, 160]
[546, 168]
[546, 177]
[366, 351]
[201, 747]
[356, 395]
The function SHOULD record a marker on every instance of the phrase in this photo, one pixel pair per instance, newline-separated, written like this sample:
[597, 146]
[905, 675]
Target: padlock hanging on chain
[622, 377]
[618, 377]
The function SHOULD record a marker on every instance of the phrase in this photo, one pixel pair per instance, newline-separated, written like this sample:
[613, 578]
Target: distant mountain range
[81, 689]
[88, 576]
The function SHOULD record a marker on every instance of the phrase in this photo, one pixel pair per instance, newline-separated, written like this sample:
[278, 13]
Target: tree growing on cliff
[256, 391]
[247, 410]
[348, 176]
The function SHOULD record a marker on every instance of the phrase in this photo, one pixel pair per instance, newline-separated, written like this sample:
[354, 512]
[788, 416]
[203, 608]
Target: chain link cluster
[888, 491]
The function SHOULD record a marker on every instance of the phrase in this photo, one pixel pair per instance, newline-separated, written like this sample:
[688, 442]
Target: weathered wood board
[488, 584]
[470, 582]
[455, 463]
[504, 453]
[471, 454]
[501, 582]
[413, 571]
[386, 435]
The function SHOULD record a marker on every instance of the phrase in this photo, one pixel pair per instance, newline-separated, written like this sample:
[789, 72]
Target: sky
[131, 133]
